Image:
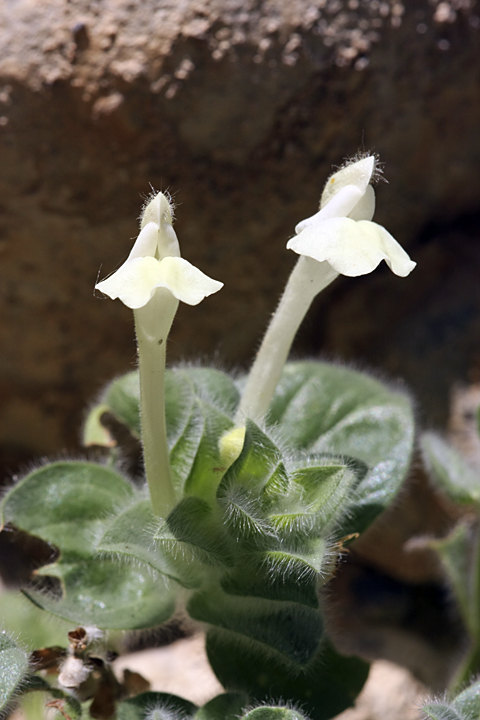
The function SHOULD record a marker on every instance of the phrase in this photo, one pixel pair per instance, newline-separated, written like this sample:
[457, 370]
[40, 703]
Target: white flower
[155, 262]
[341, 232]
[151, 282]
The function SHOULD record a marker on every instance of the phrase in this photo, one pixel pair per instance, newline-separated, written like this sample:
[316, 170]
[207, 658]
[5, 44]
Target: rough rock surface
[239, 108]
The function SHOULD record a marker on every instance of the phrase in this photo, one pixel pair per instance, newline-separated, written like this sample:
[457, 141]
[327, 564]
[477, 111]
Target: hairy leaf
[323, 688]
[155, 706]
[13, 668]
[287, 630]
[326, 408]
[78, 501]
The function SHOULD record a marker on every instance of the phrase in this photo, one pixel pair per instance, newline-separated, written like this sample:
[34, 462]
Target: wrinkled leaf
[194, 521]
[466, 706]
[440, 711]
[269, 712]
[292, 631]
[323, 688]
[155, 706]
[77, 501]
[137, 533]
[13, 668]
[331, 409]
[199, 405]
[467, 703]
[279, 575]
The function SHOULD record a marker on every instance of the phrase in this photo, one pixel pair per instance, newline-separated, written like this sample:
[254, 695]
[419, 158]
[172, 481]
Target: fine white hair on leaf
[11, 702]
[165, 710]
[294, 707]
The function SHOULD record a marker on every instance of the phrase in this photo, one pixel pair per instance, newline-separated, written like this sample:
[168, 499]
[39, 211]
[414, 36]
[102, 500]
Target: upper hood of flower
[347, 193]
[341, 232]
[155, 262]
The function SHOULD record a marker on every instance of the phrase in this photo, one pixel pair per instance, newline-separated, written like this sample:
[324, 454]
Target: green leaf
[277, 575]
[136, 533]
[74, 498]
[324, 408]
[155, 706]
[466, 706]
[194, 521]
[286, 630]
[253, 482]
[228, 706]
[467, 703]
[243, 516]
[257, 463]
[215, 400]
[268, 712]
[108, 594]
[13, 668]
[78, 501]
[199, 406]
[94, 431]
[449, 470]
[122, 396]
[323, 688]
[459, 554]
[440, 711]
[326, 492]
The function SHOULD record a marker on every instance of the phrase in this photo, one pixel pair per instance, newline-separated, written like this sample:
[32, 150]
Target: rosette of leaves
[248, 547]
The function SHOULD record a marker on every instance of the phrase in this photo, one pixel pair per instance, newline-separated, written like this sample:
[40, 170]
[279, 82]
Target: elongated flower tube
[339, 239]
[151, 282]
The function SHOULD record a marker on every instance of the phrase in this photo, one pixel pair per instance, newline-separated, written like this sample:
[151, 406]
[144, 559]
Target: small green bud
[231, 445]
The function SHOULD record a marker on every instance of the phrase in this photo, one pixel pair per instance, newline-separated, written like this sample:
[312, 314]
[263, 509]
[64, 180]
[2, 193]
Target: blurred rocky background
[239, 108]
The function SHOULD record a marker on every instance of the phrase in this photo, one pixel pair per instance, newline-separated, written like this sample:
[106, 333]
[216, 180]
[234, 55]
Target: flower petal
[365, 208]
[135, 281]
[340, 205]
[352, 248]
[158, 210]
[357, 173]
[396, 258]
[186, 282]
[146, 243]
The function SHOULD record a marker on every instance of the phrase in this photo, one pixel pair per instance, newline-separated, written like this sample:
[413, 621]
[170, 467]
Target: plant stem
[308, 278]
[470, 610]
[152, 325]
[468, 669]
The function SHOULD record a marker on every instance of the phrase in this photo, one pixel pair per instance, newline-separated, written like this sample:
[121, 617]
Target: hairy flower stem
[308, 278]
[152, 325]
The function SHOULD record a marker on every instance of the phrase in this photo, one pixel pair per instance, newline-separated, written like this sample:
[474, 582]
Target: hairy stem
[152, 325]
[308, 278]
